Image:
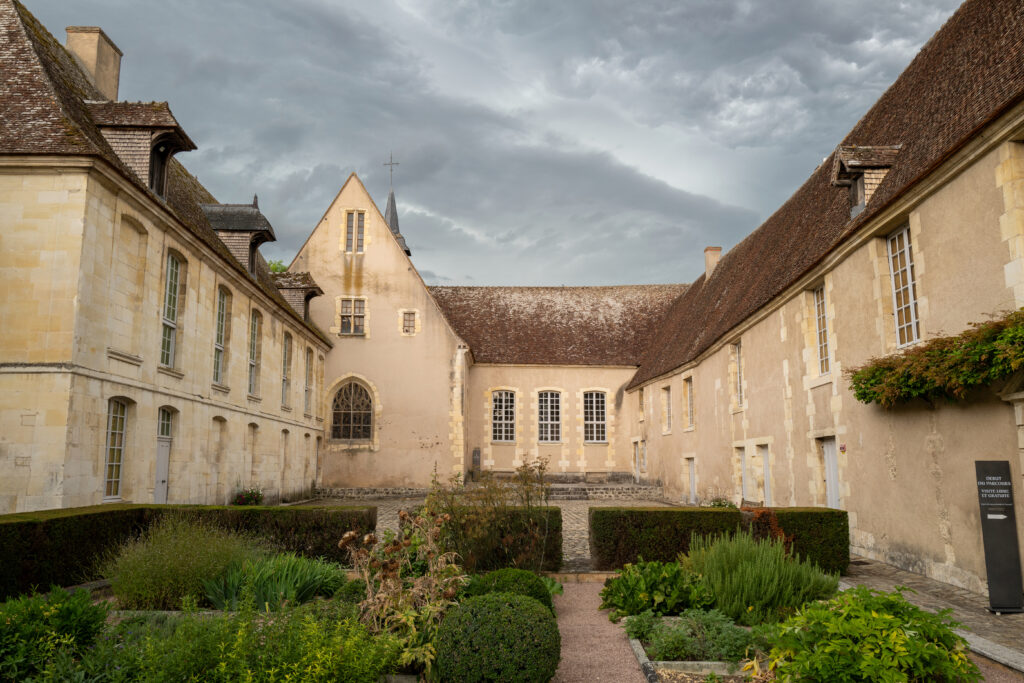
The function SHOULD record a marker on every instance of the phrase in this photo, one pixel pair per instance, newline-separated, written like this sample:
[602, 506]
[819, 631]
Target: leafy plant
[498, 637]
[866, 635]
[554, 588]
[944, 367]
[275, 581]
[248, 496]
[640, 626]
[277, 266]
[754, 581]
[496, 524]
[698, 635]
[172, 560]
[34, 628]
[721, 503]
[662, 587]
[510, 580]
[398, 602]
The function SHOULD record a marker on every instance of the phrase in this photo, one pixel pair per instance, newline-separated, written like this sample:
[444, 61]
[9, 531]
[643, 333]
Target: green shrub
[172, 560]
[865, 635]
[354, 592]
[65, 547]
[662, 587]
[510, 580]
[640, 626]
[274, 581]
[622, 535]
[819, 535]
[698, 635]
[498, 637]
[34, 628]
[317, 642]
[755, 582]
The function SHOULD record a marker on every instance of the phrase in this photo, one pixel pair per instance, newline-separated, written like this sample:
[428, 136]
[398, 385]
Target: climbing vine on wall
[944, 367]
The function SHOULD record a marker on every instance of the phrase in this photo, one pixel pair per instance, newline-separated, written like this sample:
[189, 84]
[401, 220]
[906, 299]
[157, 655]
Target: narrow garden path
[593, 648]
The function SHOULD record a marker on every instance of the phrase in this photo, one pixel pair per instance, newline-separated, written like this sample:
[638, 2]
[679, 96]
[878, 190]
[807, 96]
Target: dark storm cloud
[540, 143]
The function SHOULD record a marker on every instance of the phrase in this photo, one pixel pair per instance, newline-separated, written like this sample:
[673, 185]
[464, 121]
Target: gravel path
[593, 648]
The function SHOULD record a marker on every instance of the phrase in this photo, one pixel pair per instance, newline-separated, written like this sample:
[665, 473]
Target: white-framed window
[308, 398]
[503, 416]
[172, 281]
[354, 231]
[164, 418]
[117, 415]
[737, 350]
[691, 420]
[666, 409]
[255, 351]
[549, 416]
[821, 330]
[286, 369]
[640, 403]
[220, 337]
[353, 317]
[594, 417]
[409, 322]
[904, 286]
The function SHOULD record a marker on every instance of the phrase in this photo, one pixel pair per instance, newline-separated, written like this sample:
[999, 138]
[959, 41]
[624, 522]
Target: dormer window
[862, 169]
[253, 251]
[857, 197]
[158, 158]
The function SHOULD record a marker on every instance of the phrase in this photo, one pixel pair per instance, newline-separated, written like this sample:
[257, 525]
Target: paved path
[575, 527]
[593, 648]
[998, 637]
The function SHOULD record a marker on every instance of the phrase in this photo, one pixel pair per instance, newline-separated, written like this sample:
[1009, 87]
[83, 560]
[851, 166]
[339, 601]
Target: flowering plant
[250, 496]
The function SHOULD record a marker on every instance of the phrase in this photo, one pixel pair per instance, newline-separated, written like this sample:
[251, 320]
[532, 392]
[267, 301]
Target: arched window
[117, 417]
[352, 413]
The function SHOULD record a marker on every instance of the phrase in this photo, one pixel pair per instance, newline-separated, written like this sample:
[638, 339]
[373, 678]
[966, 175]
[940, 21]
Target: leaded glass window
[503, 416]
[549, 417]
[352, 413]
[904, 287]
[170, 311]
[117, 411]
[594, 421]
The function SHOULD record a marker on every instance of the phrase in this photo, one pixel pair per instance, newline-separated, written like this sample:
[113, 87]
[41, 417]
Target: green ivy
[945, 367]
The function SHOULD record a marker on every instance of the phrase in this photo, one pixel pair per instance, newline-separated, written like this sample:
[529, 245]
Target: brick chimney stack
[97, 54]
[711, 256]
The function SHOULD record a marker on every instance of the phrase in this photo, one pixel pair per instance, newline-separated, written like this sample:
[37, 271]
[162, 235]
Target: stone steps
[605, 492]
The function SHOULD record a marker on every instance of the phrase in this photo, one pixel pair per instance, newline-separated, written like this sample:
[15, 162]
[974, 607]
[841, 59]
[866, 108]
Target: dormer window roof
[242, 227]
[297, 289]
[145, 135]
[862, 169]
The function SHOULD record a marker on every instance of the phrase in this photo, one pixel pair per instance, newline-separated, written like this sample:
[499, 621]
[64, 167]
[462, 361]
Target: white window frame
[220, 336]
[737, 348]
[164, 422]
[595, 417]
[117, 431]
[308, 397]
[408, 322]
[666, 409]
[286, 364]
[169, 314]
[549, 416]
[691, 418]
[353, 309]
[355, 232]
[821, 330]
[904, 287]
[255, 351]
[503, 416]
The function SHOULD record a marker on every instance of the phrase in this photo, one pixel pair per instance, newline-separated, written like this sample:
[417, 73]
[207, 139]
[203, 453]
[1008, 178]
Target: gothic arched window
[352, 413]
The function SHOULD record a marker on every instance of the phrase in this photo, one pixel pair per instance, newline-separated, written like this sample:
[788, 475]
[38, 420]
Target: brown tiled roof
[290, 280]
[969, 73]
[237, 218]
[144, 114]
[45, 102]
[556, 325]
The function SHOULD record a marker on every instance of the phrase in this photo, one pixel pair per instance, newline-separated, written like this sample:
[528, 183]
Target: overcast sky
[540, 142]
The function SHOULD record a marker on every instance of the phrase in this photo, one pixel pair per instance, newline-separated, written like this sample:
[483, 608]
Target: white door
[828, 450]
[163, 457]
[762, 450]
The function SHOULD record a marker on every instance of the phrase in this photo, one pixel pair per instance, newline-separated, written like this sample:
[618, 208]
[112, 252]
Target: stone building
[153, 346]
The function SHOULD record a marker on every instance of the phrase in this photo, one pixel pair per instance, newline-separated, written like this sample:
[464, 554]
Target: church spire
[391, 213]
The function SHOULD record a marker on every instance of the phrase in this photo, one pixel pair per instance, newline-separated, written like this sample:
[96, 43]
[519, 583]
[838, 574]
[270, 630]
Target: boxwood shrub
[821, 535]
[624, 535]
[489, 539]
[498, 637]
[63, 547]
[510, 580]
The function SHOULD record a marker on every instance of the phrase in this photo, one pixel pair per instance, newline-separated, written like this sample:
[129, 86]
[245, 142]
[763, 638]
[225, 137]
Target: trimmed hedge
[509, 542]
[510, 580]
[623, 535]
[821, 535]
[62, 547]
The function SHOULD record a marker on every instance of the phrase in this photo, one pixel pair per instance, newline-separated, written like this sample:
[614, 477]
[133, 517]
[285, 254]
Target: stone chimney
[98, 56]
[711, 256]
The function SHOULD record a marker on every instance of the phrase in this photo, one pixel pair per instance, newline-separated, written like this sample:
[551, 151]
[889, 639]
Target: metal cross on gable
[391, 163]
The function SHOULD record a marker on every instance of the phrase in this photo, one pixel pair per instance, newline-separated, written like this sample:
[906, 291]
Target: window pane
[348, 232]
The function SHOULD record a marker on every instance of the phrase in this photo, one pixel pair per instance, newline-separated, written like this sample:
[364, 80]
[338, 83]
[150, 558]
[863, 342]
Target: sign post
[999, 533]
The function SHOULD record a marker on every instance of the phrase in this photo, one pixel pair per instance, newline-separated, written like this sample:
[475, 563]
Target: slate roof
[141, 114]
[556, 325]
[969, 73]
[47, 103]
[290, 280]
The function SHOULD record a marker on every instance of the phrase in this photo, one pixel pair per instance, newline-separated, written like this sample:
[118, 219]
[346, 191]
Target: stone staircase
[585, 491]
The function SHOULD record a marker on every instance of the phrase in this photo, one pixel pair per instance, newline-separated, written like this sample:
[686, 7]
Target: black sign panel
[999, 532]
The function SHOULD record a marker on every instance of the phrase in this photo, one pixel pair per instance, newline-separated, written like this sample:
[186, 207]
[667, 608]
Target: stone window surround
[172, 325]
[551, 400]
[336, 328]
[601, 423]
[666, 408]
[416, 326]
[373, 445]
[509, 425]
[691, 402]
